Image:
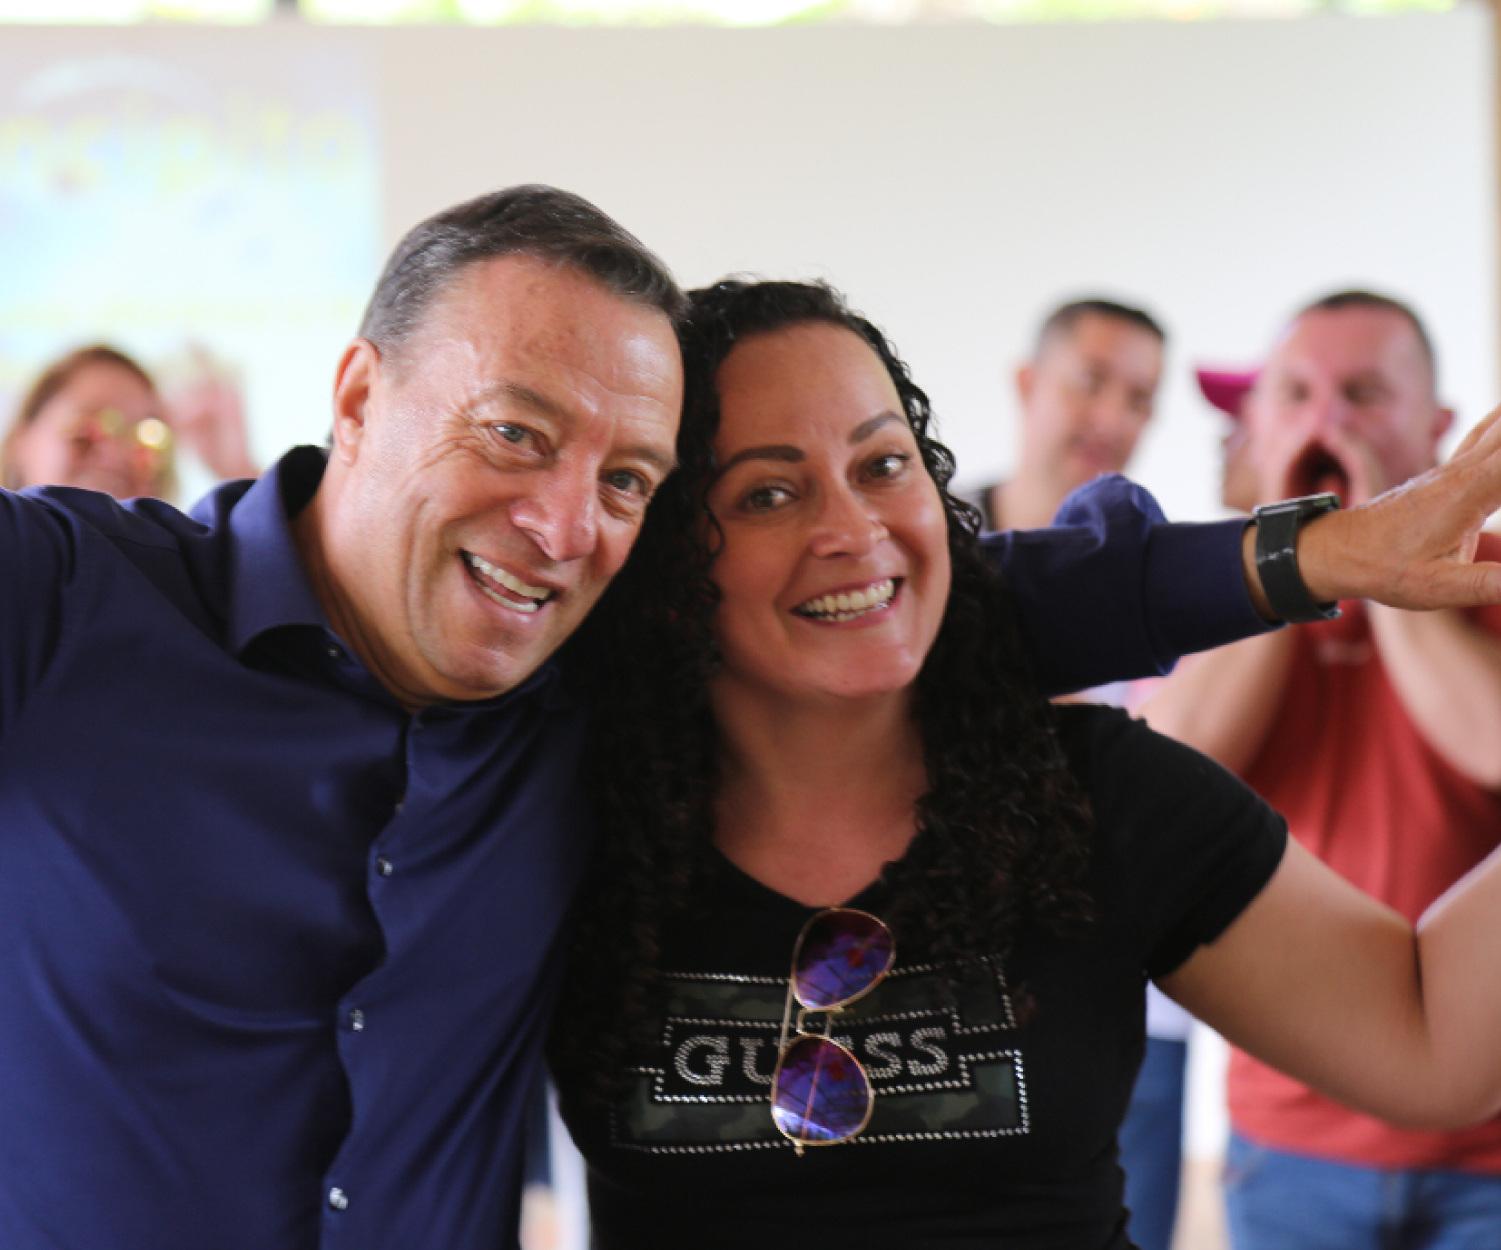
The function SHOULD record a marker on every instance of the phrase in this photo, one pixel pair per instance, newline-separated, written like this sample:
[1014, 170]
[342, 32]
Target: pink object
[1226, 389]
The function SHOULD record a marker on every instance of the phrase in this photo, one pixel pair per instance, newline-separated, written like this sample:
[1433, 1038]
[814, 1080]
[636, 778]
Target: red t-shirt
[1364, 792]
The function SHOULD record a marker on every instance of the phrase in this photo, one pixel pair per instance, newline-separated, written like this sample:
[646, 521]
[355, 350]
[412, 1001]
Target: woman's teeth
[847, 606]
[536, 595]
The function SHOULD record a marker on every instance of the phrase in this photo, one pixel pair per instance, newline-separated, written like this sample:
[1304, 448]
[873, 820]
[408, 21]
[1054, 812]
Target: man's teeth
[536, 594]
[846, 606]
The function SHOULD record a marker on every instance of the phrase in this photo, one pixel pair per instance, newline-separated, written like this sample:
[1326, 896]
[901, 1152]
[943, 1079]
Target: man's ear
[1443, 421]
[354, 381]
[1025, 377]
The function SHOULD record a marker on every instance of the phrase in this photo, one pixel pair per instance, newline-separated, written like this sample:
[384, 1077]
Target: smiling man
[490, 469]
[290, 813]
[288, 792]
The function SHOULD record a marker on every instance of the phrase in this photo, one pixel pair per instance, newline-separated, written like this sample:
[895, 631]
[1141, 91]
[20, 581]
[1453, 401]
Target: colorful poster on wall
[216, 211]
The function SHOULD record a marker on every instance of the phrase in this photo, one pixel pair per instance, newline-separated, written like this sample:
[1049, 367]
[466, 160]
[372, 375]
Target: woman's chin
[817, 688]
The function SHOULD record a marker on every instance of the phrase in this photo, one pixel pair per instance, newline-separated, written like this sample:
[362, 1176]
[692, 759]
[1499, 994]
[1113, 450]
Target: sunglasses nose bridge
[828, 1014]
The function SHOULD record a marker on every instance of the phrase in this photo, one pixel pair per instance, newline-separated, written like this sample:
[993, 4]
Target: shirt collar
[269, 586]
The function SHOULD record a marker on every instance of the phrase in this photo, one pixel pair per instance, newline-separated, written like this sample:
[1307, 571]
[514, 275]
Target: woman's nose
[847, 525]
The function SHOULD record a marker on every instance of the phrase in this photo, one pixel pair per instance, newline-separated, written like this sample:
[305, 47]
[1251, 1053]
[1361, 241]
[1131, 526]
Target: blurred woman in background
[96, 420]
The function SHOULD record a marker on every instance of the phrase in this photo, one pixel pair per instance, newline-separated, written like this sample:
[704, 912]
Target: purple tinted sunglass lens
[821, 1094]
[841, 955]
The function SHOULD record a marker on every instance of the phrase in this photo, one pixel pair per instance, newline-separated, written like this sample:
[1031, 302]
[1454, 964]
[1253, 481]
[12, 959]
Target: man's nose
[1328, 410]
[561, 513]
[847, 525]
[1110, 409]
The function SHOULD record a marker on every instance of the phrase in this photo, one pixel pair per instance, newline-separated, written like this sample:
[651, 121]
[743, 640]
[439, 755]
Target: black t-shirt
[992, 1126]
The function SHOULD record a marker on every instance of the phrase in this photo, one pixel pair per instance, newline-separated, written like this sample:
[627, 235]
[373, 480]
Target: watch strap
[1277, 527]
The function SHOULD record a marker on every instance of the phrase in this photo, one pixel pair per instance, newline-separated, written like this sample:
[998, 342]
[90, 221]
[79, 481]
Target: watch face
[1306, 506]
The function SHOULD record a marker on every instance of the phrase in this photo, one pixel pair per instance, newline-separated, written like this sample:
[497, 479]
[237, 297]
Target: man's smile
[505, 588]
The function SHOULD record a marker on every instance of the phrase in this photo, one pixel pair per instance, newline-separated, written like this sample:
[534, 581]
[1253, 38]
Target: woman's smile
[860, 603]
[833, 573]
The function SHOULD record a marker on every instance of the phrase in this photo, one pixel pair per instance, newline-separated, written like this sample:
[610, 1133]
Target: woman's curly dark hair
[1002, 830]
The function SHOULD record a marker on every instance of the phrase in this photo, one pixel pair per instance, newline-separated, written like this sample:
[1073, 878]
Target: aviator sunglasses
[820, 1094]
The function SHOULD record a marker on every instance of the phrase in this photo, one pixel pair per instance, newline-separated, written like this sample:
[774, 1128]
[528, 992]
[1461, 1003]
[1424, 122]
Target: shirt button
[337, 1198]
[383, 866]
[335, 651]
[357, 1020]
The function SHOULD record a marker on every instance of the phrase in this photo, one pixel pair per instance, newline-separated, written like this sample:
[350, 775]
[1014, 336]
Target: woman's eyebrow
[866, 428]
[788, 454]
[779, 451]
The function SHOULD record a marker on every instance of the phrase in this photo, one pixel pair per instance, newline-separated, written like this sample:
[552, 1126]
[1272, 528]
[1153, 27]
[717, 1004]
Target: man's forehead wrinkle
[523, 372]
[502, 391]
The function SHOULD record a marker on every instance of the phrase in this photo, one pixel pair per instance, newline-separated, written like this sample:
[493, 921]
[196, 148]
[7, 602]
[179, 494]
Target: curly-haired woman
[827, 707]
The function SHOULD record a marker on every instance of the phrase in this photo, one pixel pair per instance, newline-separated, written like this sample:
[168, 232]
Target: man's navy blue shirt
[279, 955]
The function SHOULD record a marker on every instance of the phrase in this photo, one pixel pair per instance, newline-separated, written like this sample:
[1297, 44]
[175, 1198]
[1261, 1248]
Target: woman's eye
[764, 498]
[888, 466]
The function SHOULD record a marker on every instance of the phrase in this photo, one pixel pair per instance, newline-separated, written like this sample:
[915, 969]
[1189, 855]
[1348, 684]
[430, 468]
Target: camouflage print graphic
[941, 1066]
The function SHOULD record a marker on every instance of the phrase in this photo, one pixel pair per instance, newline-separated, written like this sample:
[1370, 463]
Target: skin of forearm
[1224, 702]
[1459, 939]
[1337, 559]
[1447, 673]
[1338, 991]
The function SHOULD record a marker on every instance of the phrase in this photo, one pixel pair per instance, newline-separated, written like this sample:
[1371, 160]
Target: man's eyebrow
[524, 396]
[663, 461]
[527, 397]
[866, 428]
[782, 452]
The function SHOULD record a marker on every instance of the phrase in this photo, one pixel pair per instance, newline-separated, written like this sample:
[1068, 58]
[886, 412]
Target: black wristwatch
[1277, 526]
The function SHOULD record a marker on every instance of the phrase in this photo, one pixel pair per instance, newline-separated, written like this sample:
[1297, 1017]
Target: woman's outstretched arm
[1340, 992]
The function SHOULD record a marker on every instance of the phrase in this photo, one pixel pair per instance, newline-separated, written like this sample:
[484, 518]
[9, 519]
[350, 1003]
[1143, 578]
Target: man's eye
[511, 432]
[629, 482]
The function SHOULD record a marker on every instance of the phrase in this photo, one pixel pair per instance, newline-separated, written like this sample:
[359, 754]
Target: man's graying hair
[534, 220]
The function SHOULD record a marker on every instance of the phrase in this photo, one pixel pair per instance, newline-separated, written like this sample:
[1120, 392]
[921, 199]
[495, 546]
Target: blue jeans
[1280, 1201]
[1151, 1141]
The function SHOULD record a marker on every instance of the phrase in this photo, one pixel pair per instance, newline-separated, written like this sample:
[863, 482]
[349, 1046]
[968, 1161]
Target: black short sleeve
[1182, 845]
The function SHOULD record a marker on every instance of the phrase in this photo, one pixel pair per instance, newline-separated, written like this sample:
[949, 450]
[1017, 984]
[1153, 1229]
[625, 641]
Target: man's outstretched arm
[1113, 592]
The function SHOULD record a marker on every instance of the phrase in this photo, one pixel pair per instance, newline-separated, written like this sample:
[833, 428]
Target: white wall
[957, 181]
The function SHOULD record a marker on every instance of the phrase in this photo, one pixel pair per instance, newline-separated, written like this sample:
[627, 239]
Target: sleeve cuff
[1209, 607]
